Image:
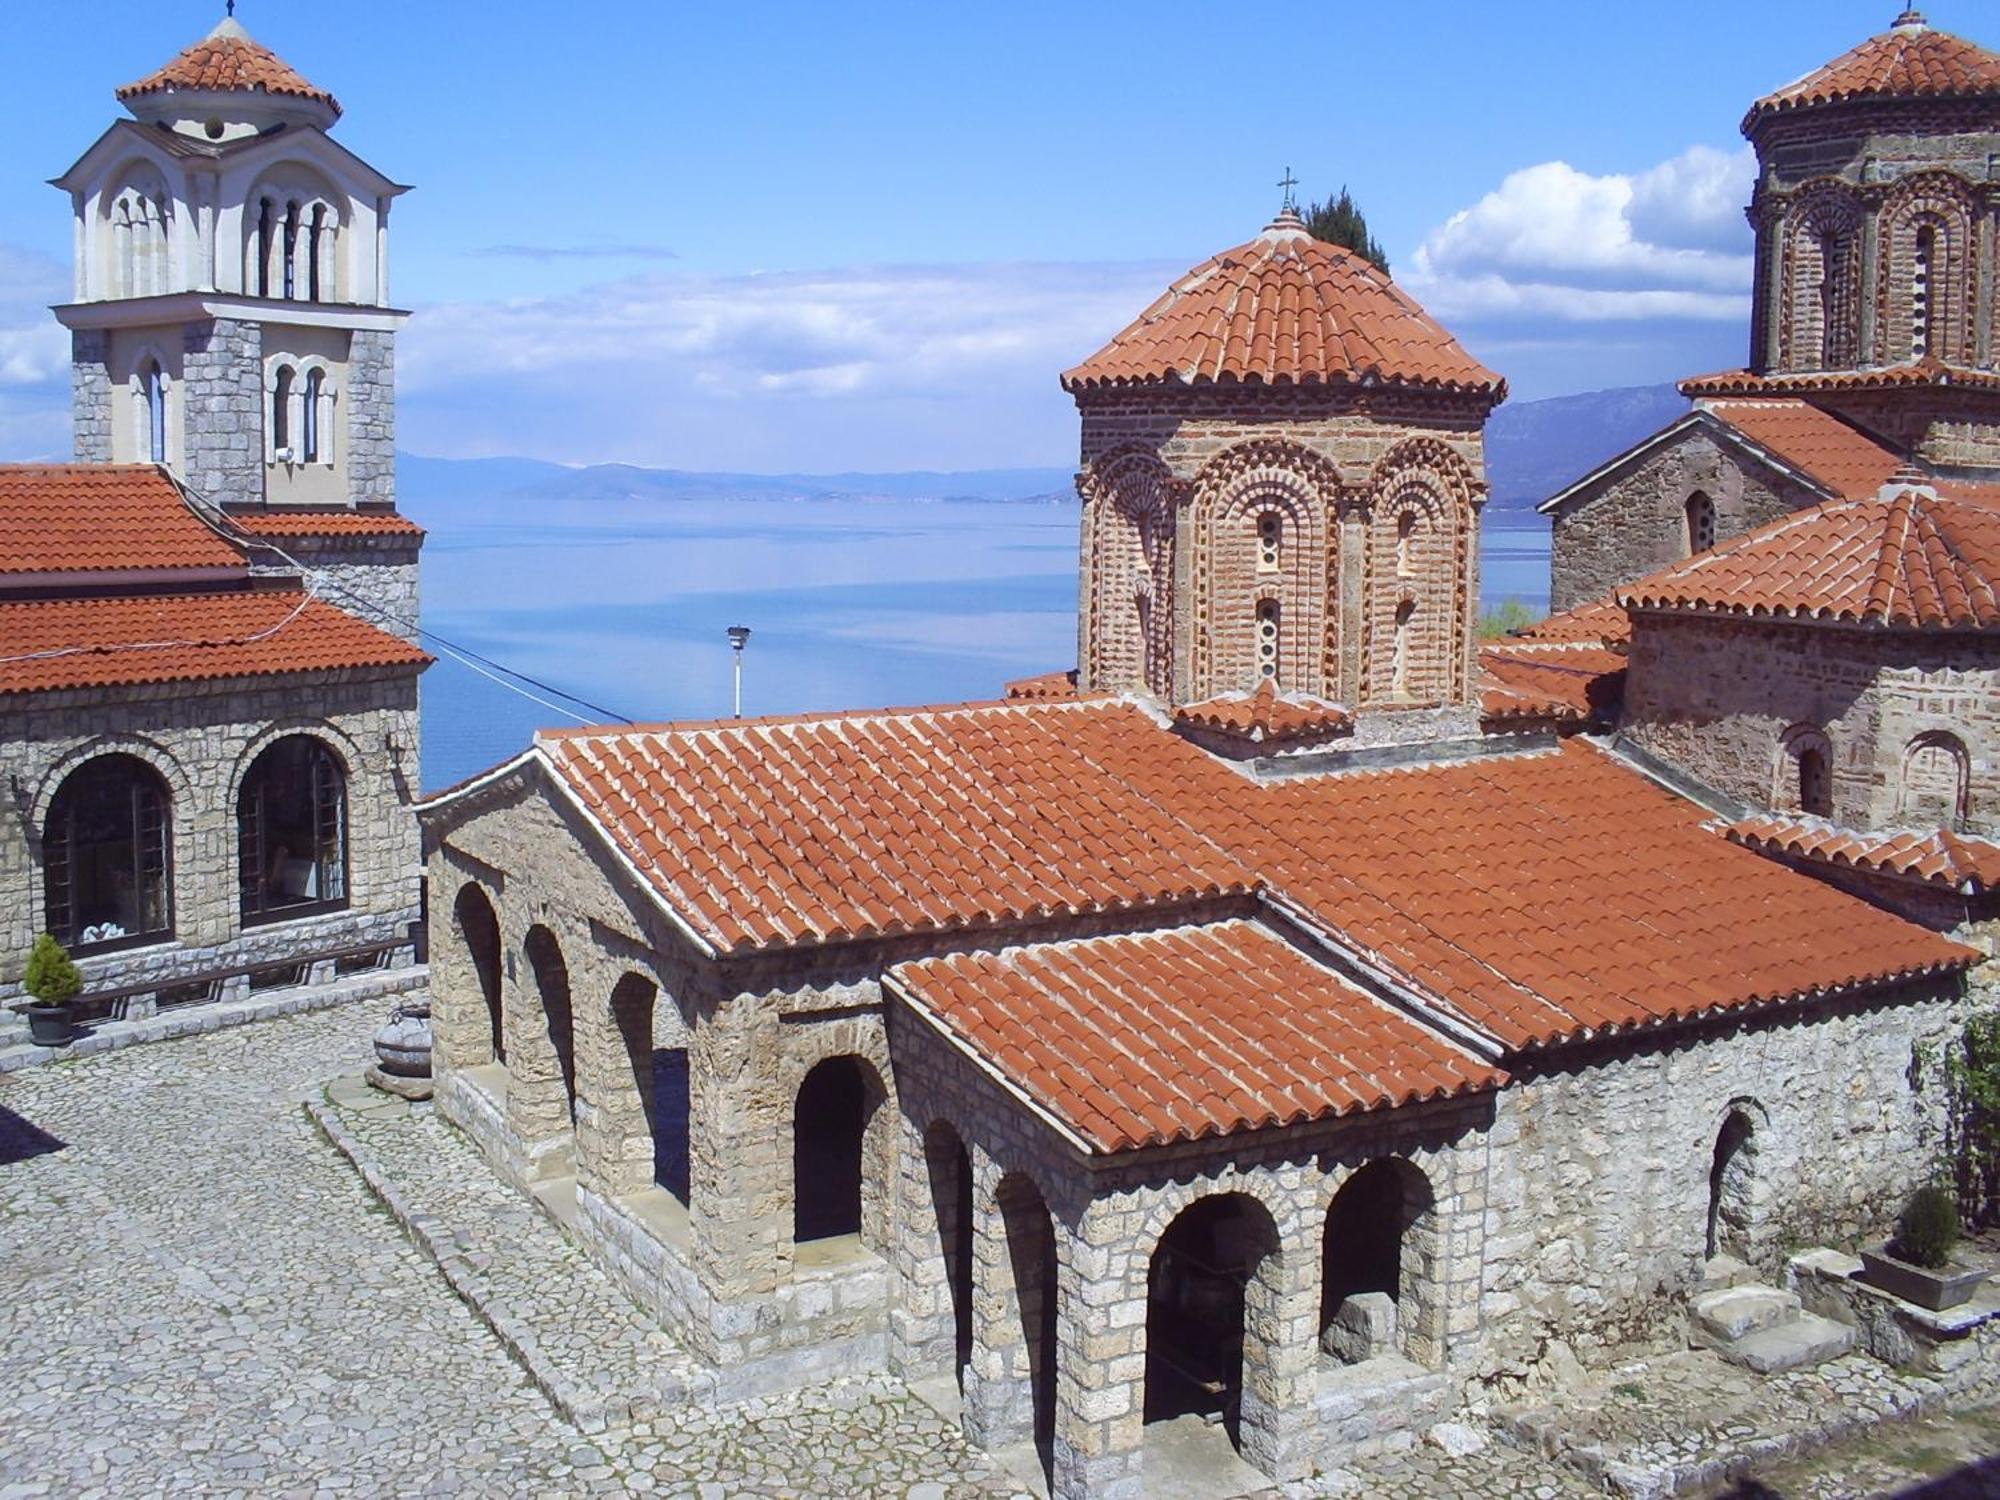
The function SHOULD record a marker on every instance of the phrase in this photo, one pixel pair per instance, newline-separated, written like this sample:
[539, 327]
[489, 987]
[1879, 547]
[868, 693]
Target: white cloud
[1552, 243]
[34, 350]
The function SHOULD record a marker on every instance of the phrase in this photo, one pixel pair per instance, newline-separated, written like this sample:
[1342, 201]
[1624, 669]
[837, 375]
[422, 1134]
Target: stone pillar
[1281, 1352]
[739, 1152]
[1869, 333]
[1101, 1357]
[370, 403]
[999, 1392]
[1350, 560]
[923, 1321]
[222, 399]
[614, 1074]
[91, 396]
[538, 1113]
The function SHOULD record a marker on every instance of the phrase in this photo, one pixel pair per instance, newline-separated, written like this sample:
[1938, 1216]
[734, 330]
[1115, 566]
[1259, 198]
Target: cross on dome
[1911, 19]
[1290, 205]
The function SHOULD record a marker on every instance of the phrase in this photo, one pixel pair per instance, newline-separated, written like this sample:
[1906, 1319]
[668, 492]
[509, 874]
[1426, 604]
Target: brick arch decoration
[1944, 203]
[1427, 479]
[1822, 208]
[1307, 490]
[1787, 772]
[1132, 500]
[1934, 781]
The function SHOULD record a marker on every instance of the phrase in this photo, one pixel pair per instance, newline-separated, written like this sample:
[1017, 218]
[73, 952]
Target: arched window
[1399, 661]
[107, 856]
[267, 229]
[829, 1131]
[1406, 535]
[309, 414]
[1935, 775]
[1700, 523]
[291, 250]
[314, 254]
[1832, 297]
[1921, 266]
[1270, 540]
[1815, 786]
[152, 412]
[291, 831]
[281, 415]
[1268, 626]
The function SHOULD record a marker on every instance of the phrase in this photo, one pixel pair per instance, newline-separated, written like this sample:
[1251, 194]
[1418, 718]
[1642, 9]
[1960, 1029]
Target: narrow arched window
[267, 229]
[153, 395]
[1921, 268]
[315, 250]
[1935, 781]
[291, 251]
[1815, 786]
[1406, 535]
[291, 830]
[309, 415]
[1399, 658]
[1700, 523]
[281, 415]
[1831, 298]
[1268, 626]
[1270, 540]
[107, 856]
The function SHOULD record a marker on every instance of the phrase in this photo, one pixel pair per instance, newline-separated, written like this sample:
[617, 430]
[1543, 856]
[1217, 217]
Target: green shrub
[51, 978]
[1928, 1230]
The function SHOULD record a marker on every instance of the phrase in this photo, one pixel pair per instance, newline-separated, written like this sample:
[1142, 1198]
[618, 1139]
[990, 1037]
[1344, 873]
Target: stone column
[538, 1114]
[614, 1077]
[222, 397]
[90, 396]
[923, 1323]
[999, 1395]
[1101, 1357]
[739, 1152]
[1281, 1352]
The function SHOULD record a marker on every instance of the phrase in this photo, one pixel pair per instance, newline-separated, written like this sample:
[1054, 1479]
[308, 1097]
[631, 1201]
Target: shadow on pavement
[22, 1138]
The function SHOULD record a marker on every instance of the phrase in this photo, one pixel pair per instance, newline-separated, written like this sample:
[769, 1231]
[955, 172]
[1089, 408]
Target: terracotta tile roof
[1601, 622]
[819, 829]
[1286, 309]
[91, 518]
[226, 60]
[1965, 864]
[1191, 1032]
[50, 644]
[1048, 687]
[1846, 461]
[1923, 372]
[1912, 560]
[325, 523]
[1910, 61]
[1569, 684]
[1267, 714]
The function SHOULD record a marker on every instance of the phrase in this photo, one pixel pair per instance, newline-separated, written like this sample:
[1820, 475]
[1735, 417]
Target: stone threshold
[453, 1249]
[194, 1020]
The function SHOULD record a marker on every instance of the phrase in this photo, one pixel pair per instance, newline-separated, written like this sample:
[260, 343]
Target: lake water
[851, 603]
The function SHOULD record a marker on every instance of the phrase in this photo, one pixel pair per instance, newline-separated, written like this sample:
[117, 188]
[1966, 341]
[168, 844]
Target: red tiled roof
[1266, 714]
[1913, 560]
[226, 60]
[1047, 687]
[1567, 683]
[101, 518]
[819, 829]
[1601, 622]
[1844, 459]
[1924, 372]
[1965, 864]
[1910, 61]
[1176, 1035]
[312, 523]
[1286, 309]
[50, 644]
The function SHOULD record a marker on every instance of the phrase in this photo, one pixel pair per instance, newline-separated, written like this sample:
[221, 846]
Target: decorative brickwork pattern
[1131, 518]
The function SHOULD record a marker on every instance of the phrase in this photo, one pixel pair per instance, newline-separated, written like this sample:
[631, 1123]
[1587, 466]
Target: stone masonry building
[208, 668]
[1292, 1014]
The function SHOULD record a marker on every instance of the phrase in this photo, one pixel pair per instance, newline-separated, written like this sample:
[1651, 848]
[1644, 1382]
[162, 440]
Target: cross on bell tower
[1288, 182]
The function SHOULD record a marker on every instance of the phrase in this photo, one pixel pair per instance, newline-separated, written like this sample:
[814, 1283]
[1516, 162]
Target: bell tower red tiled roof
[1286, 309]
[229, 60]
[1911, 60]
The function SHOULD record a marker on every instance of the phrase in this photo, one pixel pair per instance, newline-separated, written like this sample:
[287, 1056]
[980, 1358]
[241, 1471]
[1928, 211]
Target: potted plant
[1916, 1265]
[52, 982]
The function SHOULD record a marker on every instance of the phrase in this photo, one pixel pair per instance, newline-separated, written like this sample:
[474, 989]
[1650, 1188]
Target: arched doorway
[551, 973]
[1732, 1184]
[1031, 1258]
[291, 831]
[949, 1167]
[479, 930]
[107, 857]
[1213, 1272]
[1375, 1285]
[829, 1132]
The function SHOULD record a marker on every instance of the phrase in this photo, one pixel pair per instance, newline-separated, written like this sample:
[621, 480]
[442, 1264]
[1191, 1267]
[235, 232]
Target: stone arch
[1215, 1329]
[292, 827]
[1417, 574]
[1380, 1252]
[137, 746]
[1940, 206]
[948, 1171]
[1697, 523]
[1934, 787]
[1820, 263]
[1802, 780]
[1237, 486]
[549, 971]
[1736, 1190]
[1132, 514]
[616, 1111]
[840, 1179]
[138, 215]
[294, 221]
[107, 847]
[477, 928]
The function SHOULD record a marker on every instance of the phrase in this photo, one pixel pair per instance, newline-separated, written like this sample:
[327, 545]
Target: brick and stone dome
[1912, 60]
[1286, 309]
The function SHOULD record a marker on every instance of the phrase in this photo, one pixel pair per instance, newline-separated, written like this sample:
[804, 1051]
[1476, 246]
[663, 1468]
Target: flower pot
[48, 1025]
[1936, 1290]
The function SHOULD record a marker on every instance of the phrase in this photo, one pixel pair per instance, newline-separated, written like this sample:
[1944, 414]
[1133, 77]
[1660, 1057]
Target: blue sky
[818, 237]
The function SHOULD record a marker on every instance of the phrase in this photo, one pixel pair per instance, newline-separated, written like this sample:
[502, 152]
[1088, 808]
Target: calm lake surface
[851, 603]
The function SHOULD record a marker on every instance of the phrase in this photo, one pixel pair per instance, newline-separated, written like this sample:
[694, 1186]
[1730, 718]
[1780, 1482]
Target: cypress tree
[1339, 222]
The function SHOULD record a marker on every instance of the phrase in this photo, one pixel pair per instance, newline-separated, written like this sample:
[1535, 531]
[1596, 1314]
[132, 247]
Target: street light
[739, 636]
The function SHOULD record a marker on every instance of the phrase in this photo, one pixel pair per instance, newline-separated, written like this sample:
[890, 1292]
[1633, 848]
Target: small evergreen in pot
[52, 981]
[1927, 1232]
[1916, 1265]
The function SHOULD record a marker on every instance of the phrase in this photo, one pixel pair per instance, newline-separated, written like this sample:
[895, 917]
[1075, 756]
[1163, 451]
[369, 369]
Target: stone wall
[1724, 698]
[371, 417]
[90, 396]
[1634, 519]
[222, 405]
[203, 738]
[376, 577]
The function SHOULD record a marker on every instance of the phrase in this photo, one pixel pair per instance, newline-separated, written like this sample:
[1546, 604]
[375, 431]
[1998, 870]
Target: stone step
[1719, 1272]
[1723, 1317]
[1807, 1339]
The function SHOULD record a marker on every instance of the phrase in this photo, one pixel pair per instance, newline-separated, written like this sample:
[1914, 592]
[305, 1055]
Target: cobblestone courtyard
[201, 1297]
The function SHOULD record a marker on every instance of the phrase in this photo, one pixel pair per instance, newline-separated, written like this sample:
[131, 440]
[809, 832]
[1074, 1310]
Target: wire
[54, 652]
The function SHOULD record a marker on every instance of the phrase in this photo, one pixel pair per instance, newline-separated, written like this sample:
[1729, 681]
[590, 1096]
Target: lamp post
[739, 636]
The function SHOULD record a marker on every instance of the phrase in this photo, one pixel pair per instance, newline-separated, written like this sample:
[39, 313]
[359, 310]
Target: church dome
[1911, 60]
[1286, 309]
[230, 72]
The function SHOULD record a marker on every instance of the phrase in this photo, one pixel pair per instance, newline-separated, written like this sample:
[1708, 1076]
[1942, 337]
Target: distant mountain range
[1532, 450]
